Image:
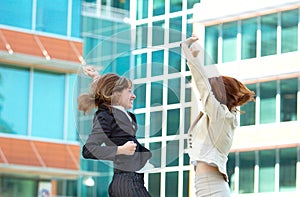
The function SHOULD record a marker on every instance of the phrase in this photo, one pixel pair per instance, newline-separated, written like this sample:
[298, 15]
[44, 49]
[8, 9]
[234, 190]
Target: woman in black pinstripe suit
[113, 136]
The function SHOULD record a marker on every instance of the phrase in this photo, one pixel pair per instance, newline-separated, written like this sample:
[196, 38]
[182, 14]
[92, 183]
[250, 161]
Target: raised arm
[195, 64]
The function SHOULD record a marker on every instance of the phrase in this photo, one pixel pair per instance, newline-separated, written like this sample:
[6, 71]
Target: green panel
[229, 42]
[156, 124]
[156, 93]
[173, 119]
[287, 174]
[248, 117]
[288, 99]
[154, 184]
[174, 90]
[155, 148]
[171, 184]
[268, 34]
[246, 176]
[249, 42]
[140, 93]
[267, 161]
[268, 92]
[289, 31]
[172, 157]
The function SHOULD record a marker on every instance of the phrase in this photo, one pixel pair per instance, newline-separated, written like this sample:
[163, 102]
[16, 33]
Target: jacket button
[191, 146]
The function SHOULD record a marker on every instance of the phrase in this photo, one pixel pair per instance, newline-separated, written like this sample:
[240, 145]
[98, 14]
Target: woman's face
[126, 97]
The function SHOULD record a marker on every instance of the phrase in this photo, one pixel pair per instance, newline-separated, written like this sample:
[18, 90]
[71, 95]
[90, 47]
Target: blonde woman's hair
[101, 91]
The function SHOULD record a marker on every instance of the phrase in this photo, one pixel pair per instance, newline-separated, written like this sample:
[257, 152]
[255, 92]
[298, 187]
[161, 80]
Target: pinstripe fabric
[128, 184]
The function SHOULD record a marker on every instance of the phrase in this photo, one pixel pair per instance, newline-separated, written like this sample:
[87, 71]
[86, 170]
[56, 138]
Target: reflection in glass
[249, 28]
[229, 38]
[289, 31]
[268, 34]
[268, 92]
[288, 99]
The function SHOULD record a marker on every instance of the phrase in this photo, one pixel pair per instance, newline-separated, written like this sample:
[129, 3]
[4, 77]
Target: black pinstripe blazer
[112, 128]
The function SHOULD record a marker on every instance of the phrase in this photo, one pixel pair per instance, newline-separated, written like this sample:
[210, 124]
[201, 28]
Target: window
[140, 92]
[158, 7]
[141, 36]
[268, 34]
[172, 149]
[186, 177]
[155, 148]
[175, 32]
[248, 118]
[157, 67]
[268, 92]
[156, 124]
[48, 104]
[230, 170]
[289, 31]
[154, 184]
[249, 28]
[246, 176]
[288, 99]
[156, 93]
[211, 45]
[52, 18]
[229, 42]
[173, 119]
[267, 161]
[158, 32]
[11, 13]
[174, 60]
[141, 9]
[140, 66]
[175, 5]
[14, 99]
[174, 90]
[140, 119]
[171, 181]
[287, 175]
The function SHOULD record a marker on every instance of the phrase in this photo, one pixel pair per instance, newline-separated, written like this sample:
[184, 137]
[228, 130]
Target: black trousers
[128, 184]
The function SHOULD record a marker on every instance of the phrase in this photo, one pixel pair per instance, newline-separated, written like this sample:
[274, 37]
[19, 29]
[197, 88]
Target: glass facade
[273, 34]
[258, 171]
[273, 95]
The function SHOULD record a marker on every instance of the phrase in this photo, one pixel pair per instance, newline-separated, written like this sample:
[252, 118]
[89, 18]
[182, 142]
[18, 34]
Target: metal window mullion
[220, 44]
[256, 172]
[279, 23]
[258, 37]
[33, 19]
[278, 98]
[66, 107]
[277, 171]
[257, 104]
[239, 41]
[30, 102]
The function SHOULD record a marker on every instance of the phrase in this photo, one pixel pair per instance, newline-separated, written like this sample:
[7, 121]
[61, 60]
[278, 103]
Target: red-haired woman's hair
[230, 91]
[101, 91]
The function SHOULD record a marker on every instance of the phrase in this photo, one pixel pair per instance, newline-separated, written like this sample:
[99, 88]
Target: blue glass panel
[158, 7]
[140, 92]
[141, 9]
[76, 18]
[141, 36]
[140, 66]
[172, 157]
[156, 93]
[156, 124]
[174, 90]
[157, 63]
[173, 118]
[229, 42]
[52, 16]
[175, 5]
[16, 13]
[155, 148]
[211, 45]
[174, 60]
[268, 34]
[14, 94]
[158, 30]
[249, 28]
[289, 31]
[48, 105]
[175, 32]
[72, 107]
[140, 119]
[171, 180]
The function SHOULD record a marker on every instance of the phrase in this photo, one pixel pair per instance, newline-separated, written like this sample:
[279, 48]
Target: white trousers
[211, 184]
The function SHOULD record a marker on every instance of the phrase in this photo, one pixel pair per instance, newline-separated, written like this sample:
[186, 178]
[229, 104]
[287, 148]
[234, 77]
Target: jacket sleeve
[210, 104]
[98, 144]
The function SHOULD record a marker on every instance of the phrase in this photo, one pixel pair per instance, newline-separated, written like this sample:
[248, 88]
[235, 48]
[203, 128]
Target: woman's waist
[203, 167]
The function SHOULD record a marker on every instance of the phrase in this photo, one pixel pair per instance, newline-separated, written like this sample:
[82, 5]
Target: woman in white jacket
[211, 134]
